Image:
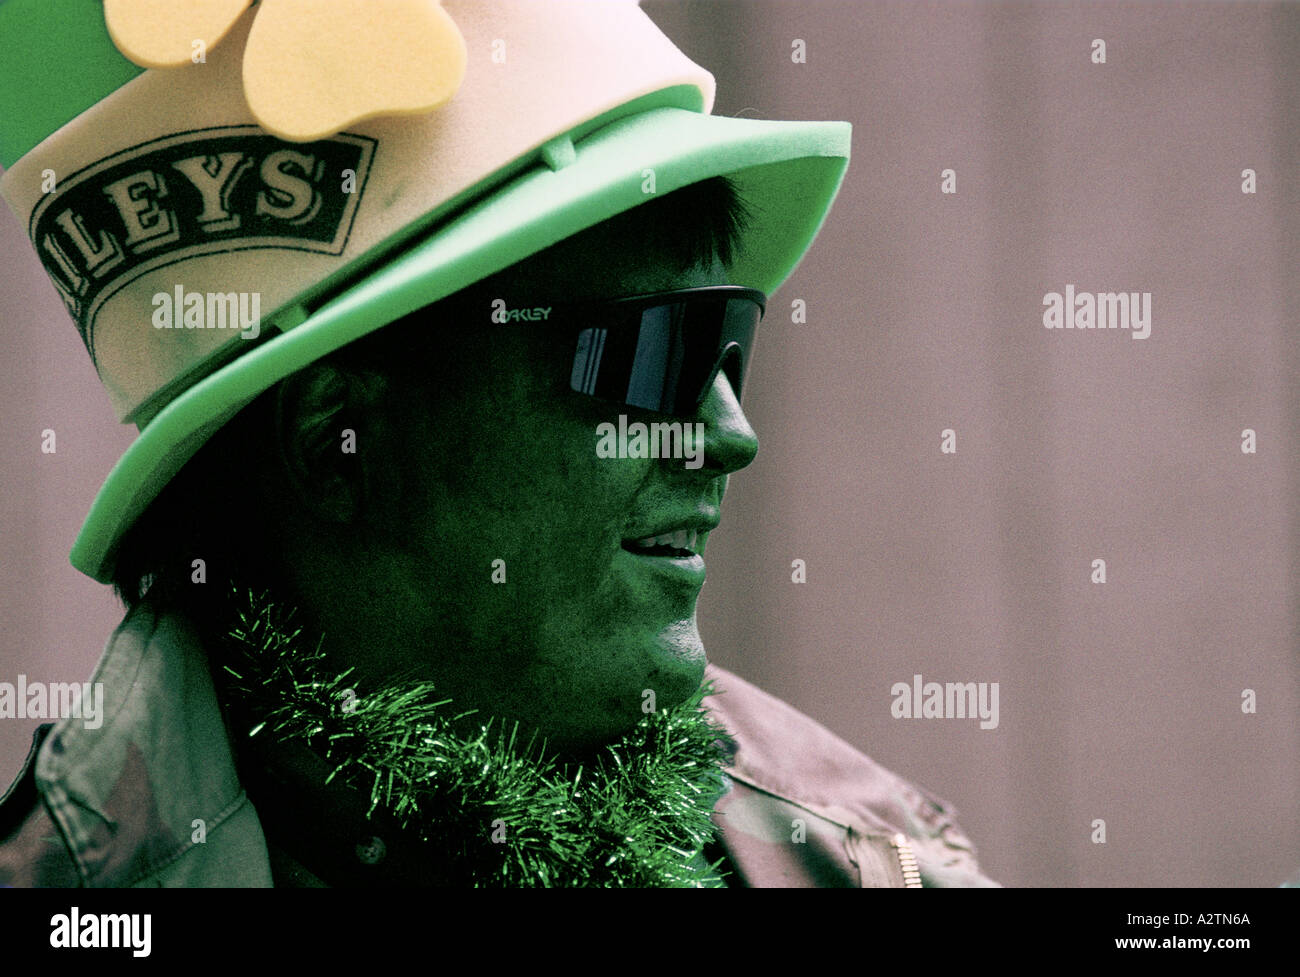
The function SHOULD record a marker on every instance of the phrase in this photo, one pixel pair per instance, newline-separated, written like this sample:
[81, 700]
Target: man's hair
[200, 513]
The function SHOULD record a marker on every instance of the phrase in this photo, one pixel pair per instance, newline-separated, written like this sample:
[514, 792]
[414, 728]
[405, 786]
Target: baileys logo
[194, 193]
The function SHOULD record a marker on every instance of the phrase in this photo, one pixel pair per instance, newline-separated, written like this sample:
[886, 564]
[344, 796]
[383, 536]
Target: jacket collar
[157, 775]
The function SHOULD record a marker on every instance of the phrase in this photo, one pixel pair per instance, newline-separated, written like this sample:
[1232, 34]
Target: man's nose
[729, 442]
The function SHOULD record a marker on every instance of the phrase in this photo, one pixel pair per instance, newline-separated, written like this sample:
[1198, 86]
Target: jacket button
[371, 852]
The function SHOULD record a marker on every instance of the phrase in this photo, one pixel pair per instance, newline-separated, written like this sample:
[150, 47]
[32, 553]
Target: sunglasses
[663, 351]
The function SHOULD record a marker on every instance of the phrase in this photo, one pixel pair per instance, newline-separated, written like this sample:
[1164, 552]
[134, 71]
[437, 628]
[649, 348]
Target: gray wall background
[1118, 701]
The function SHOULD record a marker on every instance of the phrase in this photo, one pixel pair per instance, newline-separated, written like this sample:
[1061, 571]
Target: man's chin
[673, 676]
[679, 662]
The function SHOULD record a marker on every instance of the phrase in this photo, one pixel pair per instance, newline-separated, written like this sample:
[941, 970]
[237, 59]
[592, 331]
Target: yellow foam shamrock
[162, 33]
[311, 67]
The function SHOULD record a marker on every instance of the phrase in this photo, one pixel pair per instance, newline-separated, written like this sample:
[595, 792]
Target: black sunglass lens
[665, 358]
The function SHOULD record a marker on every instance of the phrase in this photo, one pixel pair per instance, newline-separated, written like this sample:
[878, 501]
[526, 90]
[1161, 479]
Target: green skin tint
[493, 457]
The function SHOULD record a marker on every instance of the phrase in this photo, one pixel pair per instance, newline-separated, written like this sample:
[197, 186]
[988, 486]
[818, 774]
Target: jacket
[153, 796]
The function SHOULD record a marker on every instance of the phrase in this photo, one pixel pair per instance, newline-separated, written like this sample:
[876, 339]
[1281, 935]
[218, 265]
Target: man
[416, 604]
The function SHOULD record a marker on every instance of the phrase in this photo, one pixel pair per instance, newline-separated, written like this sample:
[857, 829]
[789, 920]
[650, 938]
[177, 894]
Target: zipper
[907, 861]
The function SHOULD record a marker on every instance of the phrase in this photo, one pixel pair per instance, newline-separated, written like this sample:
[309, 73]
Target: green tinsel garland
[639, 816]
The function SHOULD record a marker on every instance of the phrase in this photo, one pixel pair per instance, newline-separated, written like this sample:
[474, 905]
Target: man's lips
[682, 542]
[674, 538]
[667, 547]
[680, 571]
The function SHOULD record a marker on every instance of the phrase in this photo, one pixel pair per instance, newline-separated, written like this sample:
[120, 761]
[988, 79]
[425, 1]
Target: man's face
[501, 464]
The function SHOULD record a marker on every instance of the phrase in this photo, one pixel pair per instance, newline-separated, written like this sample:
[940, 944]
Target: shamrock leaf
[312, 68]
[162, 33]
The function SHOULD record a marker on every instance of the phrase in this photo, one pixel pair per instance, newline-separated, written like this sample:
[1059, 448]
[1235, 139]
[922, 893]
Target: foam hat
[347, 162]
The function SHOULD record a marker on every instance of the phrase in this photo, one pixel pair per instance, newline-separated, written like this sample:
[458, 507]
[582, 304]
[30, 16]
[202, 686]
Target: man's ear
[319, 413]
